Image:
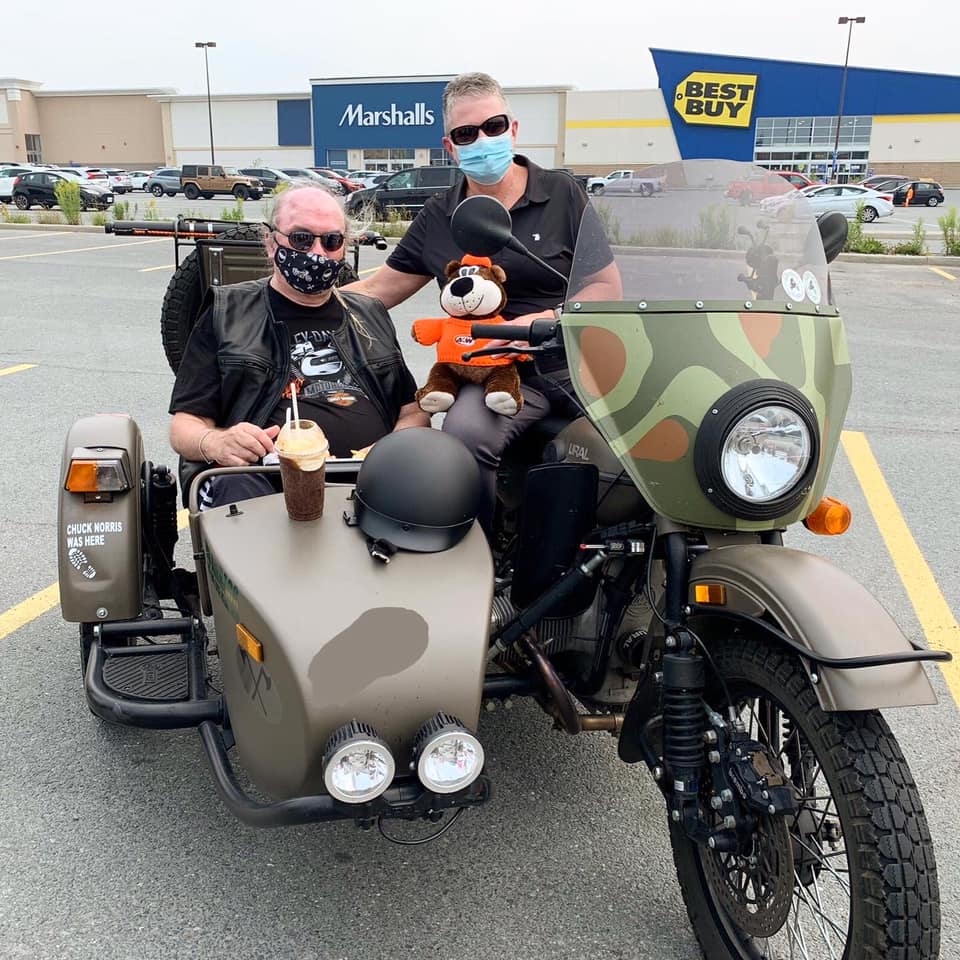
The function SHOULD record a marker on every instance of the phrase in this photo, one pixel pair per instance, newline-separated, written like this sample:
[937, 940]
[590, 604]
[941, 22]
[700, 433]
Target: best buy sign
[716, 99]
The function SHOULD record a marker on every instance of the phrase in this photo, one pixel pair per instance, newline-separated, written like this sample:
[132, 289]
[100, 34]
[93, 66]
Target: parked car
[765, 185]
[884, 179]
[841, 197]
[367, 178]
[92, 186]
[8, 176]
[635, 182]
[39, 187]
[926, 193]
[120, 181]
[94, 174]
[164, 181]
[209, 179]
[340, 176]
[307, 173]
[405, 192]
[139, 178]
[269, 177]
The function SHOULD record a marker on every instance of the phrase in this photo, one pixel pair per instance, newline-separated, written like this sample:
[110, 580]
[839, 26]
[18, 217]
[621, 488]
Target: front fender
[825, 610]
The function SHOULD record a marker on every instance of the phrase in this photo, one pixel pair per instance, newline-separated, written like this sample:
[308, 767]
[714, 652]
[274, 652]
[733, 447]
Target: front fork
[700, 745]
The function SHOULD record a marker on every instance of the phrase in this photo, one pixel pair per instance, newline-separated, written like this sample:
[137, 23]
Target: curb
[896, 259]
[53, 227]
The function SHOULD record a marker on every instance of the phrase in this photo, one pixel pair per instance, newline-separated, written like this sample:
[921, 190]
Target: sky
[596, 45]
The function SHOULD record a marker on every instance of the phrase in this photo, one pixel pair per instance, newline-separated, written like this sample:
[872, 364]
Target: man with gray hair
[255, 341]
[480, 135]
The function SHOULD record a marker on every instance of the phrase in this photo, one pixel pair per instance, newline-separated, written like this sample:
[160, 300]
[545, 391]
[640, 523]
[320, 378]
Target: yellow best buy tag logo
[716, 99]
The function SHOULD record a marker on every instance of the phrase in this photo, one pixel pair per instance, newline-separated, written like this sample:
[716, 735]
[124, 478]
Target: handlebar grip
[538, 332]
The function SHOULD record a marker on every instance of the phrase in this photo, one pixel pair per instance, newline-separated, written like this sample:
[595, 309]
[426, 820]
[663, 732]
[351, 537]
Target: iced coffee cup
[302, 450]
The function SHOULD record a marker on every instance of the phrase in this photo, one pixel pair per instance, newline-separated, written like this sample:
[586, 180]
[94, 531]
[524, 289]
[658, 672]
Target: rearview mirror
[833, 229]
[481, 225]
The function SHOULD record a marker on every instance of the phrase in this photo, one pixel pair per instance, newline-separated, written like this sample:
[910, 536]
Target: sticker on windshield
[811, 287]
[792, 284]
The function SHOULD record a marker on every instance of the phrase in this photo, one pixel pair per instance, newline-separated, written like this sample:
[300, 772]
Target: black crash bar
[406, 801]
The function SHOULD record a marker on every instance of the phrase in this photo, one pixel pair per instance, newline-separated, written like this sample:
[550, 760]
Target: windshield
[701, 230]
[231, 172]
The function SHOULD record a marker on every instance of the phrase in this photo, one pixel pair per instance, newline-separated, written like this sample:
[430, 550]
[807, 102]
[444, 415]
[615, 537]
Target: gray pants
[487, 434]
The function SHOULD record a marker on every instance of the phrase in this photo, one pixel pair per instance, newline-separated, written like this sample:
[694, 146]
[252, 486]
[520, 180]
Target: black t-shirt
[326, 391]
[546, 220]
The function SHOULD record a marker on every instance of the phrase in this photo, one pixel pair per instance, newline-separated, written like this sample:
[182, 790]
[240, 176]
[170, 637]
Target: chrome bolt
[765, 795]
[102, 613]
[658, 677]
[491, 706]
[714, 756]
[710, 736]
[508, 704]
[711, 843]
[789, 306]
[643, 305]
[675, 816]
[576, 306]
[726, 795]
[670, 642]
[771, 809]
[749, 304]
[814, 678]
[730, 823]
[699, 304]
[716, 803]
[658, 773]
[688, 610]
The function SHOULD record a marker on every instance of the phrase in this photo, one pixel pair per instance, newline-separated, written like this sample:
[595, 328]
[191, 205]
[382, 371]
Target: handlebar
[538, 332]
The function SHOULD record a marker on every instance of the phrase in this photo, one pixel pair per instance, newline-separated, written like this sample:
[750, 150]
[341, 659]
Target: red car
[764, 185]
[348, 185]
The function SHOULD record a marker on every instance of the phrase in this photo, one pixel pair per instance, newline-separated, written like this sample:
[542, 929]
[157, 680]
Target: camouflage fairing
[649, 372]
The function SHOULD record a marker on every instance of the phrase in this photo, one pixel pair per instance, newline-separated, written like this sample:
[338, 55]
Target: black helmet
[418, 489]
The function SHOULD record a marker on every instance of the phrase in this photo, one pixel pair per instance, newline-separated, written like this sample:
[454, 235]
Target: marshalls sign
[716, 99]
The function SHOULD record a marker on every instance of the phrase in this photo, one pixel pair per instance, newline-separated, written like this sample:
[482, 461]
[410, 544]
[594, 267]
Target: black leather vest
[254, 356]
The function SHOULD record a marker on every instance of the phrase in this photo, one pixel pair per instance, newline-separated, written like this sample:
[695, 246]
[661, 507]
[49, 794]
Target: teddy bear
[474, 292]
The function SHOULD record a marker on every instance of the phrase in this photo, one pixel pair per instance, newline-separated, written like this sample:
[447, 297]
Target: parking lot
[113, 841]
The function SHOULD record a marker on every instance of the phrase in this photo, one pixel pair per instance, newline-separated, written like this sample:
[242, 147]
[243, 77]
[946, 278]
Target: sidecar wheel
[864, 879]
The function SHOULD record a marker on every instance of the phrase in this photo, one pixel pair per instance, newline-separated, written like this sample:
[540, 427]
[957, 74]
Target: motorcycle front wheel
[852, 874]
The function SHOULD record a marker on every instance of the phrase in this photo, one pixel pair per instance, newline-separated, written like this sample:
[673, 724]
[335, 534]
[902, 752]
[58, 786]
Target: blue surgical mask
[488, 159]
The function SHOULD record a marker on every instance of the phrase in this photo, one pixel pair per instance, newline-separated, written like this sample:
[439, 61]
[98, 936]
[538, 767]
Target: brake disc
[755, 890]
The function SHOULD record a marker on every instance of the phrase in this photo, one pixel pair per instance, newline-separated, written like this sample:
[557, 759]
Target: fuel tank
[343, 636]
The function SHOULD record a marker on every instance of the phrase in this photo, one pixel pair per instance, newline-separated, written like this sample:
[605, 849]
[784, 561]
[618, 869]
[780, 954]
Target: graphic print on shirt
[320, 372]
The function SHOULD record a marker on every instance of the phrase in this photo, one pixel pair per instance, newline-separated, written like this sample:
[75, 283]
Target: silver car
[164, 181]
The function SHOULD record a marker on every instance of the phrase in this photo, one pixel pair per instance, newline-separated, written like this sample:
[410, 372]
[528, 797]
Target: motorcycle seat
[547, 429]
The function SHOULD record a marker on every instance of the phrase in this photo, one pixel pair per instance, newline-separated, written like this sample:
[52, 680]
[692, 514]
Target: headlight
[757, 450]
[449, 757]
[357, 764]
[765, 453]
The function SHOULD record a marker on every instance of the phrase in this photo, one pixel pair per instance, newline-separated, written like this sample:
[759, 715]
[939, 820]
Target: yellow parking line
[42, 601]
[17, 368]
[932, 610]
[166, 266]
[107, 246]
[943, 273]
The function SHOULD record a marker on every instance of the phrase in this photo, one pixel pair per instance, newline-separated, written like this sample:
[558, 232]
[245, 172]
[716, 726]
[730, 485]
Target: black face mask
[307, 272]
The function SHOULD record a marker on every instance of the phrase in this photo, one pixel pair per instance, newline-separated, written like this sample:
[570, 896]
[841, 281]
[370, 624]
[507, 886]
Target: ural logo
[464, 341]
[578, 451]
[419, 116]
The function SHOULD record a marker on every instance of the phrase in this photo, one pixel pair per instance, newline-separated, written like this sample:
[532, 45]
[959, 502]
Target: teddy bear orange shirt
[452, 336]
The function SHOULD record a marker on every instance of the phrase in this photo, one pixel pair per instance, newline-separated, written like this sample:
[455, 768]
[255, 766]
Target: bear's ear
[453, 268]
[498, 273]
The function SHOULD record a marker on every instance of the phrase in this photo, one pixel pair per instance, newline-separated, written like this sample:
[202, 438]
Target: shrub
[4, 213]
[19, 218]
[99, 219]
[856, 241]
[152, 211]
[950, 227]
[68, 197]
[50, 216]
[121, 209]
[716, 229]
[233, 213]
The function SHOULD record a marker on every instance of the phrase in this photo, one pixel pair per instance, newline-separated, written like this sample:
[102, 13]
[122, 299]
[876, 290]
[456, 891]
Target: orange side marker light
[249, 643]
[831, 518]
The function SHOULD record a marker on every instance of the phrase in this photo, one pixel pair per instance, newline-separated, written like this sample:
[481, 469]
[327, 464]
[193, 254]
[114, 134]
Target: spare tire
[181, 302]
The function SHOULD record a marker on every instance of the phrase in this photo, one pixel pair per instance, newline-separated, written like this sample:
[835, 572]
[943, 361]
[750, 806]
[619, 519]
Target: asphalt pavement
[113, 843]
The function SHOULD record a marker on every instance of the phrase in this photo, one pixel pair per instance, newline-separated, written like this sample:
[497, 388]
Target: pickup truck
[763, 185]
[625, 181]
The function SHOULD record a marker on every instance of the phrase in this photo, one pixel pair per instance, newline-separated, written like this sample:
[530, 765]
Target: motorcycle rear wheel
[864, 875]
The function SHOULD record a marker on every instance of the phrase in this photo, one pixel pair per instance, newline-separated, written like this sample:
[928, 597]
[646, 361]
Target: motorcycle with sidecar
[636, 583]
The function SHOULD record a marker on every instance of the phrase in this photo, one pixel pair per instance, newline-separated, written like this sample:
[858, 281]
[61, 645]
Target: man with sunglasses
[547, 207]
[254, 339]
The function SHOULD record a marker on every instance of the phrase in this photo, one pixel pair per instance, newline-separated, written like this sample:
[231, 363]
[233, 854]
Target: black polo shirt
[546, 220]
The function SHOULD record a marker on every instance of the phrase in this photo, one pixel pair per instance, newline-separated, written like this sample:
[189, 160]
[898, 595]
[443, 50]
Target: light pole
[843, 88]
[206, 62]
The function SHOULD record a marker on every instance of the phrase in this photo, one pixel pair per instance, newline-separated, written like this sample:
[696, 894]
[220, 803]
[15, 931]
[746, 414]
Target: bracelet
[203, 456]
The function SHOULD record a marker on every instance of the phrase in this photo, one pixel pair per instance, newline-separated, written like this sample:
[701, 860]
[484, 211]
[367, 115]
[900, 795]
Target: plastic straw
[296, 412]
[289, 415]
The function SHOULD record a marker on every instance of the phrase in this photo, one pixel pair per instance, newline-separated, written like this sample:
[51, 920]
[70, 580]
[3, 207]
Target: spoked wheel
[851, 874]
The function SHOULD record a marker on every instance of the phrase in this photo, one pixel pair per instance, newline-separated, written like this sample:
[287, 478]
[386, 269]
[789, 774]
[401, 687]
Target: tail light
[886, 196]
[16, 180]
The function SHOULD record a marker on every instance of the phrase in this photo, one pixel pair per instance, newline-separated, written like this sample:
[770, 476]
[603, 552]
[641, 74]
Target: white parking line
[54, 253]
[16, 235]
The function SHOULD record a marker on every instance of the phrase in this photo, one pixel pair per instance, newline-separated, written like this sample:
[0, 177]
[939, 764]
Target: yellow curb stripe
[943, 273]
[166, 266]
[17, 368]
[932, 610]
[33, 607]
[107, 246]
[917, 118]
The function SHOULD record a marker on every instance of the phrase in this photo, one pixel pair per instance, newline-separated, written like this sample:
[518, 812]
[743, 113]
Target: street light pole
[206, 61]
[843, 88]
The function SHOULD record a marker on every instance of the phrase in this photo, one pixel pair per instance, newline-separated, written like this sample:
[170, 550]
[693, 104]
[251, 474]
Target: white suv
[120, 181]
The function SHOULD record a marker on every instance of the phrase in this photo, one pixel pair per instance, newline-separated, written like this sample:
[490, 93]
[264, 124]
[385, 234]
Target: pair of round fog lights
[358, 765]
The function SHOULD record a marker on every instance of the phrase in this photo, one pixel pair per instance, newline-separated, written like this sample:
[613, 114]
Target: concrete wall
[100, 130]
[22, 118]
[608, 129]
[540, 130]
[244, 133]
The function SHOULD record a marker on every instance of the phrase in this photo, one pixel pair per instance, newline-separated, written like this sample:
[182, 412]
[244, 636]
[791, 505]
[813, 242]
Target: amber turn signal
[710, 593]
[96, 476]
[831, 518]
[250, 643]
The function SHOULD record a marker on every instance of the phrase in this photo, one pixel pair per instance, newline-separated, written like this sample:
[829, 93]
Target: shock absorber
[684, 678]
[163, 503]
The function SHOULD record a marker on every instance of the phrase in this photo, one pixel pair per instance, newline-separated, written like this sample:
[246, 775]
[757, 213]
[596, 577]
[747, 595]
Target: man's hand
[523, 321]
[239, 445]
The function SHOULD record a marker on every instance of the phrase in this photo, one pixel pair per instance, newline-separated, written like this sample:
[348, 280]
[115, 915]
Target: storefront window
[388, 159]
[806, 144]
[34, 150]
[439, 157]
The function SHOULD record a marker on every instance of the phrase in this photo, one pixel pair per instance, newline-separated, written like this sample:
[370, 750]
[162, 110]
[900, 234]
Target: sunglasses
[303, 240]
[491, 127]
